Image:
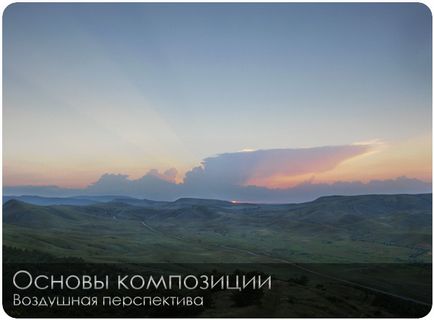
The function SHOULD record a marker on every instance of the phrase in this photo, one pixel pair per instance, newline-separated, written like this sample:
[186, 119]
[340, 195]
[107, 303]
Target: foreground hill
[359, 256]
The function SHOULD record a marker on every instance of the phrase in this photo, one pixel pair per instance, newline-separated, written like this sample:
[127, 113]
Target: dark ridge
[13, 203]
[426, 196]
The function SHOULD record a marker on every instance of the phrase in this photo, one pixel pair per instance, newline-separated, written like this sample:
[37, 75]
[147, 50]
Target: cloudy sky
[241, 96]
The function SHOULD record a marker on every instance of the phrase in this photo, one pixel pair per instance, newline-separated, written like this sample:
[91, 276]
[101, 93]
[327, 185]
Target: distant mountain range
[156, 188]
[89, 200]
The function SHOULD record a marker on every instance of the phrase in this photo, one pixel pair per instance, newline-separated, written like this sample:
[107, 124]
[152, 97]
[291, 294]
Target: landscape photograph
[283, 140]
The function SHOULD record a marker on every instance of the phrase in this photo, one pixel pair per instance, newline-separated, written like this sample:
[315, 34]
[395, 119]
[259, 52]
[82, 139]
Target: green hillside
[371, 228]
[361, 256]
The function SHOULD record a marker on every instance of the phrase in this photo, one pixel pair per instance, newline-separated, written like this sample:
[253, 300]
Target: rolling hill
[369, 228]
[336, 256]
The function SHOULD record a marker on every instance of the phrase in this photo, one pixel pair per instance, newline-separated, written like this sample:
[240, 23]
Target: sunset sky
[282, 93]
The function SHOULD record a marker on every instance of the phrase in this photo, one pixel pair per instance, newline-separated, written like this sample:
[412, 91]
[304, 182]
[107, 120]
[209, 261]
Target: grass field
[362, 256]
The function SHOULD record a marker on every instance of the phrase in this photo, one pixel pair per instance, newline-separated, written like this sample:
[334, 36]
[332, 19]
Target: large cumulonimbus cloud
[236, 169]
[227, 176]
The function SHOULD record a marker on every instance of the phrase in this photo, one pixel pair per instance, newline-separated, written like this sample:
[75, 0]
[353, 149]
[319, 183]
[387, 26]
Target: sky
[274, 96]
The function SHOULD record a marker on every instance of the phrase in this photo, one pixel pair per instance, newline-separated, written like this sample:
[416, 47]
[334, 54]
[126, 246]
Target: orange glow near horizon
[411, 158]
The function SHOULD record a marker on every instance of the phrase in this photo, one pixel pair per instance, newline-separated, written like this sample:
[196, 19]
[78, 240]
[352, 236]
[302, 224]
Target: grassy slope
[332, 229]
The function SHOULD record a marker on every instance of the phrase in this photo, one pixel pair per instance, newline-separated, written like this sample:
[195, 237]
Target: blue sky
[124, 88]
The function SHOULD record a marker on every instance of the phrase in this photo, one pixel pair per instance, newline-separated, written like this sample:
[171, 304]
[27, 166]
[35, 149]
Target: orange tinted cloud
[410, 157]
[261, 166]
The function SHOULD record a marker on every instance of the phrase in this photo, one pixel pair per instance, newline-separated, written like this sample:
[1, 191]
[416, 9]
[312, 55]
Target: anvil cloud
[227, 176]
